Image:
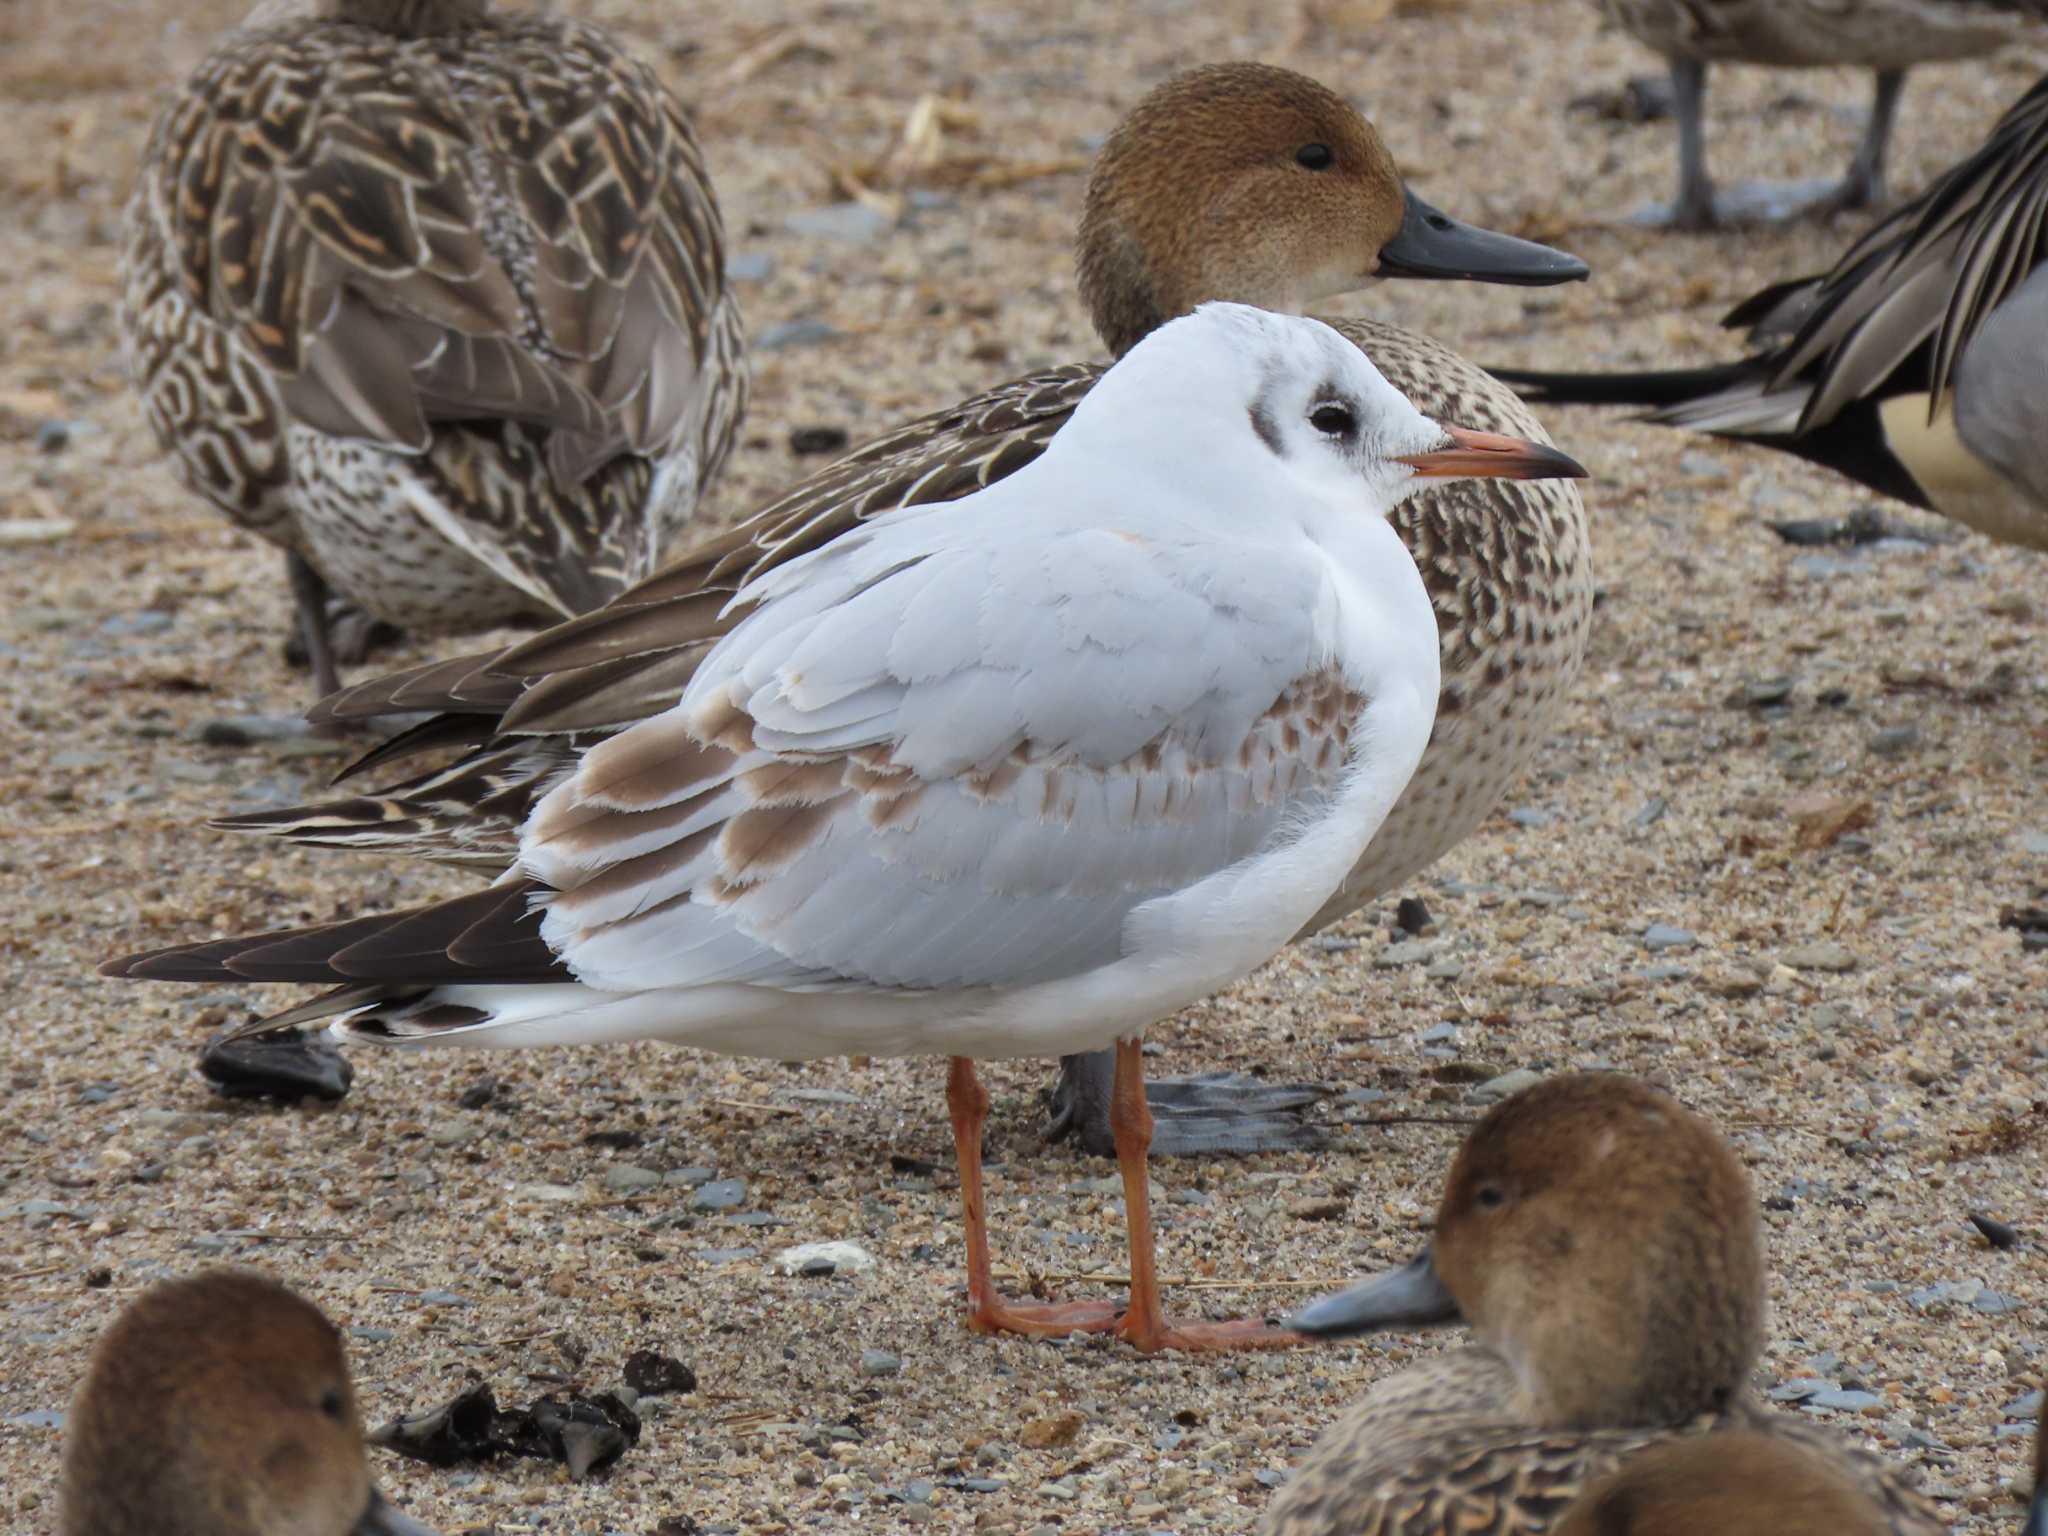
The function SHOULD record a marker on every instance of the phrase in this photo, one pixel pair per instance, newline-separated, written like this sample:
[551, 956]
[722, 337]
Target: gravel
[1653, 798]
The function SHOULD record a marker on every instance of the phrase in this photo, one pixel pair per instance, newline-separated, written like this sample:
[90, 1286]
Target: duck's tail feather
[1653, 391]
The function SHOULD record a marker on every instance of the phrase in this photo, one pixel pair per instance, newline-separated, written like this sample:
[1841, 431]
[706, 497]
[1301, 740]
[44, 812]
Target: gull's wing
[925, 763]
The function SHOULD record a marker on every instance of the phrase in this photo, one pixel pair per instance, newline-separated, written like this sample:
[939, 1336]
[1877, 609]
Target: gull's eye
[1333, 420]
[1314, 157]
[330, 1402]
[1490, 1197]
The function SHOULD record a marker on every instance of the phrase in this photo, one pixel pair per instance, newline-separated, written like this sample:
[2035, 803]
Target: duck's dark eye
[330, 1403]
[1314, 157]
[1490, 1197]
[1333, 420]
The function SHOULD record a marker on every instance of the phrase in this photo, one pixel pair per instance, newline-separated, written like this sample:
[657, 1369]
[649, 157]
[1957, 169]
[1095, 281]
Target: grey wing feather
[973, 823]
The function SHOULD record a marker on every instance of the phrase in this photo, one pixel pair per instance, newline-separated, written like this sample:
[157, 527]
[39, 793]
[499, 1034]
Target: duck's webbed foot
[1207, 1115]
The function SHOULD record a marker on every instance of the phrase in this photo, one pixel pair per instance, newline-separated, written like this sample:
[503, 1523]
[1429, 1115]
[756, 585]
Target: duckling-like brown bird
[1730, 1483]
[220, 1405]
[1602, 1242]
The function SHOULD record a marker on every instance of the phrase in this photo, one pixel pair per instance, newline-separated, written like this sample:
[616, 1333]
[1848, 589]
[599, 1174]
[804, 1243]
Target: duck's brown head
[220, 1403]
[1731, 1480]
[1258, 185]
[1603, 1240]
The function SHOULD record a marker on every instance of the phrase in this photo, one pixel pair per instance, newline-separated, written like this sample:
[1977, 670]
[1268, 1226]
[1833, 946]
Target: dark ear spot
[1267, 428]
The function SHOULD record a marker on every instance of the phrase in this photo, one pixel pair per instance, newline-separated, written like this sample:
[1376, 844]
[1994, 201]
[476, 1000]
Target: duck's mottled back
[434, 298]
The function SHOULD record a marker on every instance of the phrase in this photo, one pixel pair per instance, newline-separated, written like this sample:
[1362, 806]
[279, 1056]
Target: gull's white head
[1234, 391]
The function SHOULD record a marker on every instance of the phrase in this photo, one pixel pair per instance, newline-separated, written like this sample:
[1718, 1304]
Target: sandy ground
[1877, 1105]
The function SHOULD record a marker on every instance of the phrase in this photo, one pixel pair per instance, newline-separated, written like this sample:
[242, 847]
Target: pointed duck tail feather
[1655, 390]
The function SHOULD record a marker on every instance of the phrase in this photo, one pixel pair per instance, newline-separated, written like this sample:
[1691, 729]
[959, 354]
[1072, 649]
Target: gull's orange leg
[987, 1312]
[1144, 1321]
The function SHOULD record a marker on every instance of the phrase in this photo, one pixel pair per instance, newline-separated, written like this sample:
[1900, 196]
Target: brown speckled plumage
[433, 298]
[1603, 1244]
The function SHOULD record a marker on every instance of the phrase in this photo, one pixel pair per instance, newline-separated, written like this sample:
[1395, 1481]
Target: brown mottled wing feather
[632, 658]
[378, 236]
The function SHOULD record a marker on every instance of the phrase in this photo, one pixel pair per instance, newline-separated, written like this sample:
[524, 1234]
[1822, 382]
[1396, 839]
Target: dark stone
[478, 1093]
[1996, 1232]
[1411, 916]
[652, 1374]
[286, 1064]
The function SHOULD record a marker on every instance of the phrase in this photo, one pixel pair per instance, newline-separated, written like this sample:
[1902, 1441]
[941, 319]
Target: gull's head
[1602, 1240]
[1259, 185]
[1281, 395]
[220, 1402]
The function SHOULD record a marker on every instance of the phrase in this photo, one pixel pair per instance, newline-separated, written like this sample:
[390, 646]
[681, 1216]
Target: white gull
[1012, 776]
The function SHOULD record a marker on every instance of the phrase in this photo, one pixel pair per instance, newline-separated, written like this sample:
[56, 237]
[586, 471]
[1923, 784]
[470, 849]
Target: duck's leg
[309, 592]
[1775, 202]
[1863, 187]
[1694, 208]
[987, 1311]
[1144, 1321]
[1209, 1114]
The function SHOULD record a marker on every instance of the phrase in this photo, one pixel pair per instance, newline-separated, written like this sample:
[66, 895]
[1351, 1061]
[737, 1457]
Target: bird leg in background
[309, 591]
[330, 630]
[1144, 1321]
[988, 1312]
[1700, 206]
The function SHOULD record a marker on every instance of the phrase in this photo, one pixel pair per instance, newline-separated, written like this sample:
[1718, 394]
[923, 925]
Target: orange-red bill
[1489, 455]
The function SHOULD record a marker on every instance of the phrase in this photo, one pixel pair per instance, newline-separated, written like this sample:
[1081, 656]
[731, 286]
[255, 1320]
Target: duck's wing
[919, 764]
[398, 237]
[1891, 317]
[517, 710]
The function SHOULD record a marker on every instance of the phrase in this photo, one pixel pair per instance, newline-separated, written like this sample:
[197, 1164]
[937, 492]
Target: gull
[431, 297]
[220, 1404]
[1014, 776]
[1237, 181]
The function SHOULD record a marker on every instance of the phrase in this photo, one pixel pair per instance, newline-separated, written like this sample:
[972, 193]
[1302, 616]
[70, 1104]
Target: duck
[219, 1404]
[1910, 365]
[1239, 181]
[1602, 1242]
[432, 297]
[1014, 777]
[1887, 37]
[1729, 1483]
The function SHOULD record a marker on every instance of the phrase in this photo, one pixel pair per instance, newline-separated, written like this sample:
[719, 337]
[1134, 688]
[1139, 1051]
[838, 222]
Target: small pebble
[720, 1195]
[879, 1362]
[625, 1177]
[1662, 936]
[1825, 955]
[1506, 1084]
